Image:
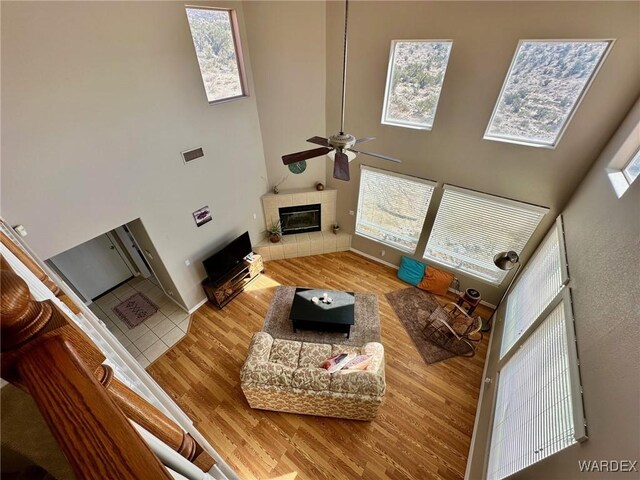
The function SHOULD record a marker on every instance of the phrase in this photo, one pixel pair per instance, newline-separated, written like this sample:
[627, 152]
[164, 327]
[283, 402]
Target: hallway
[152, 338]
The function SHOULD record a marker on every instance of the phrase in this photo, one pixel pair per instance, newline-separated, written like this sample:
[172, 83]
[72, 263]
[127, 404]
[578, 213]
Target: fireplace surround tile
[314, 197]
[299, 199]
[276, 251]
[302, 244]
[304, 249]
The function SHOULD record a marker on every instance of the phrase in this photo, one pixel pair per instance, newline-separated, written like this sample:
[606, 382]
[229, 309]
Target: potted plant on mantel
[275, 232]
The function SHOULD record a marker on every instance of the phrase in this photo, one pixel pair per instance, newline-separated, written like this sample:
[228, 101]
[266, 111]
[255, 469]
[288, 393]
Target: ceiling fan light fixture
[332, 155]
[341, 144]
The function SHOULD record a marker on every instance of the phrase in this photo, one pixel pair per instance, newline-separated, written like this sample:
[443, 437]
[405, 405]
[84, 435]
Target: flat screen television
[218, 264]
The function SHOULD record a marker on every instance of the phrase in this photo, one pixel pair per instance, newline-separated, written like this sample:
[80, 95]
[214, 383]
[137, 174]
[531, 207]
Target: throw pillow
[436, 281]
[411, 271]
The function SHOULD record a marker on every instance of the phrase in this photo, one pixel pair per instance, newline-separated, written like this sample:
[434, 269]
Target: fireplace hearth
[300, 219]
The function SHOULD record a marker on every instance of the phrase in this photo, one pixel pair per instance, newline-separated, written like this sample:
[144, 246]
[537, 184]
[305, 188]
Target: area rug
[366, 326]
[413, 307]
[135, 309]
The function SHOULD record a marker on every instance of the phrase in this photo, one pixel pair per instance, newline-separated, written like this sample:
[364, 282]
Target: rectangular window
[414, 81]
[471, 227]
[537, 286]
[546, 81]
[215, 38]
[538, 407]
[392, 207]
[632, 169]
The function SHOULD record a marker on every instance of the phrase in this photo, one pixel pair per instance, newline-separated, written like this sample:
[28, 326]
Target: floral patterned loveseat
[286, 376]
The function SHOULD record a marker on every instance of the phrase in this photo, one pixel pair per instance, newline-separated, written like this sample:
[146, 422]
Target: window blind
[537, 286]
[392, 207]
[534, 408]
[471, 227]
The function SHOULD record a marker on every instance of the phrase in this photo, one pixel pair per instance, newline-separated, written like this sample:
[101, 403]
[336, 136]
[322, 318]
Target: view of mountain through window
[545, 83]
[414, 81]
[213, 39]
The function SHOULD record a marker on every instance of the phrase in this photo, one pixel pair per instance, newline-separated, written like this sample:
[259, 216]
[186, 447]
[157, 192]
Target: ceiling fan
[342, 142]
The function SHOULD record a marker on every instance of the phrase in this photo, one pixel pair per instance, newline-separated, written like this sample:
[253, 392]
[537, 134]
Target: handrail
[27, 325]
[92, 431]
[28, 262]
[140, 411]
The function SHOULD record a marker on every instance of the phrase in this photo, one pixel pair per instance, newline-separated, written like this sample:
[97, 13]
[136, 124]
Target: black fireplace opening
[300, 219]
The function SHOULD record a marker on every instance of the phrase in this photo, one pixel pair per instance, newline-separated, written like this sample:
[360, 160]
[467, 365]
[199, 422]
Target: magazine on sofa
[337, 362]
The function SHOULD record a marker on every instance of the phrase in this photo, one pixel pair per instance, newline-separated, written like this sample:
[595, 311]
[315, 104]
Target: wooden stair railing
[92, 431]
[33, 266]
[30, 263]
[94, 435]
[32, 330]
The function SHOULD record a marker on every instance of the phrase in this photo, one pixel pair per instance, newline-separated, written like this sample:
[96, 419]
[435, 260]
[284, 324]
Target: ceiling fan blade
[319, 141]
[365, 139]
[341, 166]
[299, 156]
[377, 155]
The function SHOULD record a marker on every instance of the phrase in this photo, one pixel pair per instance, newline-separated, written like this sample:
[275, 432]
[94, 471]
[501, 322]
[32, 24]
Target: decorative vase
[275, 238]
[319, 186]
[276, 190]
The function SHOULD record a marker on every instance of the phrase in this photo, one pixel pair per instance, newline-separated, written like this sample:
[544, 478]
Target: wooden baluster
[94, 434]
[153, 420]
[30, 263]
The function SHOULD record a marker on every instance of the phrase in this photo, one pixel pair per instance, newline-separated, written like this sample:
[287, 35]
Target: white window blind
[534, 415]
[538, 285]
[392, 207]
[471, 227]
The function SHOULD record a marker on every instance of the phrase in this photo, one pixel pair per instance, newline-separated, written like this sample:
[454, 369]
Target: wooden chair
[453, 329]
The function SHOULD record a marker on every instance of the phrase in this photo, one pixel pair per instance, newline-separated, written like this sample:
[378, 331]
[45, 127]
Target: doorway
[95, 267]
[118, 272]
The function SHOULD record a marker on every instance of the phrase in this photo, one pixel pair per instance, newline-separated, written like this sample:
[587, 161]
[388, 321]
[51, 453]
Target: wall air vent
[193, 154]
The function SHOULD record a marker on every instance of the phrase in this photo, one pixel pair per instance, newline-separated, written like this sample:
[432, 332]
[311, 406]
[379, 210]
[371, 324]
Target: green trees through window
[213, 39]
[546, 81]
[415, 77]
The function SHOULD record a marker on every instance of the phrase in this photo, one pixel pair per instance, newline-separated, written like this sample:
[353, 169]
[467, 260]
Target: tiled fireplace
[308, 215]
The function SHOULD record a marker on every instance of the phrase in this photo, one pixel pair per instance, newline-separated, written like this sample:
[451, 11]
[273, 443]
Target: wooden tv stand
[233, 282]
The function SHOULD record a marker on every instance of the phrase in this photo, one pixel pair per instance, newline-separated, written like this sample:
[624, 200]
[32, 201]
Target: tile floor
[157, 334]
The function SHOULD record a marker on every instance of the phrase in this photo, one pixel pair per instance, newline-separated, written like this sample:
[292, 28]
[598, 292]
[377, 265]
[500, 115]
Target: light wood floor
[424, 427]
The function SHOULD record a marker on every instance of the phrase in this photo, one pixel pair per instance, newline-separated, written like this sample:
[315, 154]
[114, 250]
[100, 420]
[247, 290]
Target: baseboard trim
[198, 305]
[396, 267]
[375, 259]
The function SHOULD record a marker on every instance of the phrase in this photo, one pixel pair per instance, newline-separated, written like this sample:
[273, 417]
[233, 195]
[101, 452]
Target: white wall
[485, 35]
[98, 101]
[288, 53]
[602, 236]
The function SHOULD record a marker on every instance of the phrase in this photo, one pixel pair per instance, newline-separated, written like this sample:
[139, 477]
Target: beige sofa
[285, 376]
